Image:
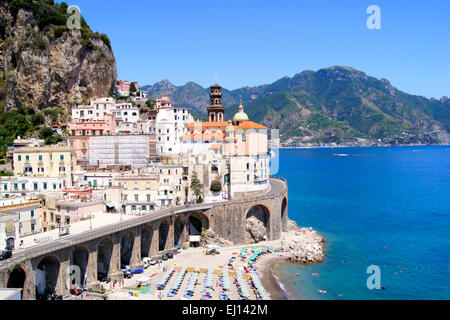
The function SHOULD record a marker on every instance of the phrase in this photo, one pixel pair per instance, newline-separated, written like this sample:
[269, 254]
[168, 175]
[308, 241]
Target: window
[148, 185]
[45, 185]
[61, 157]
[32, 227]
[27, 158]
[73, 132]
[244, 138]
[54, 186]
[23, 186]
[19, 158]
[32, 213]
[133, 208]
[148, 198]
[5, 187]
[67, 210]
[62, 169]
[15, 186]
[136, 185]
[40, 157]
[165, 192]
[84, 132]
[58, 208]
[248, 177]
[136, 197]
[35, 186]
[101, 132]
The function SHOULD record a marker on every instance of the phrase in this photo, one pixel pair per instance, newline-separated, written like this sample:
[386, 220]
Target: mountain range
[335, 104]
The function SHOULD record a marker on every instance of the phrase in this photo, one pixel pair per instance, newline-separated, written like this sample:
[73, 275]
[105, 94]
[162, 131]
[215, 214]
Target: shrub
[216, 186]
[58, 32]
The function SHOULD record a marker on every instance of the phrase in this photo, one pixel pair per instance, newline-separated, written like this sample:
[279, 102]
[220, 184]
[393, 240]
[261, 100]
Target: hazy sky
[247, 42]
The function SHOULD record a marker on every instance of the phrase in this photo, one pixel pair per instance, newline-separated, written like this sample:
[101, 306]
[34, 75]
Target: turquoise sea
[388, 207]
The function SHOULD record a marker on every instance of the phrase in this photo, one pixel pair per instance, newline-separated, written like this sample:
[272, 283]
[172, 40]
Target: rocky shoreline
[302, 245]
[299, 245]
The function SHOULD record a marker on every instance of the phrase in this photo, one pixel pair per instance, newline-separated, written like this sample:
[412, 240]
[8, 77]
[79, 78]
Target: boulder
[255, 230]
[210, 237]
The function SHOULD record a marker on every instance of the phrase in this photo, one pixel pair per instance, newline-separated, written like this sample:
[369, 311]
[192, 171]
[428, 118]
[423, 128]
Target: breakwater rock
[302, 246]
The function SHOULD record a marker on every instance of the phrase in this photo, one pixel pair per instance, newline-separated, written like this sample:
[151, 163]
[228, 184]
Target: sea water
[383, 206]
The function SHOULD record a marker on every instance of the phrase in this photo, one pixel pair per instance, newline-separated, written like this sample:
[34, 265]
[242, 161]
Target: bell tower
[216, 111]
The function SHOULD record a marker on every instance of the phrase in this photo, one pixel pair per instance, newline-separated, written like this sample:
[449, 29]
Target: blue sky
[247, 42]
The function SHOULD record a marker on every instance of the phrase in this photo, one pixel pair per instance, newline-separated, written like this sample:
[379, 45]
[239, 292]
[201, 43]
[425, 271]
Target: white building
[95, 111]
[19, 217]
[24, 185]
[169, 124]
[125, 112]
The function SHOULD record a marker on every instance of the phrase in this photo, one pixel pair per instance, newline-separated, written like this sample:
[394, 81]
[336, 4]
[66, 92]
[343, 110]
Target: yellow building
[49, 161]
[138, 192]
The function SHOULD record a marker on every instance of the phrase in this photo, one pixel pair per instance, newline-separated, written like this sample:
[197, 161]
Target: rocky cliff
[44, 64]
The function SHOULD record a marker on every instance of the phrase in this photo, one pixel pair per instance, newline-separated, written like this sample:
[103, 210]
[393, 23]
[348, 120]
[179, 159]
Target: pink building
[71, 211]
[124, 87]
[79, 133]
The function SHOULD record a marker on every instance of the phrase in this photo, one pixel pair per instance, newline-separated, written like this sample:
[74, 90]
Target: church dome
[241, 115]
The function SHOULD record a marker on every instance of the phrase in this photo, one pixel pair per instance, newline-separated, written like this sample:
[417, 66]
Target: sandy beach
[193, 258]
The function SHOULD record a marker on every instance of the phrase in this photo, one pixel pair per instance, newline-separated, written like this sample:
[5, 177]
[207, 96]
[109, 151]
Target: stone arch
[17, 278]
[104, 257]
[126, 248]
[164, 228]
[80, 258]
[284, 215]
[47, 273]
[197, 221]
[178, 230]
[257, 223]
[146, 241]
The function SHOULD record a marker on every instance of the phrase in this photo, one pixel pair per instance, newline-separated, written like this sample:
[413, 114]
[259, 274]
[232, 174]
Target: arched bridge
[102, 251]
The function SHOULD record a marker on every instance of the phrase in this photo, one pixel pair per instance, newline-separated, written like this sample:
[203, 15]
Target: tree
[133, 87]
[216, 186]
[150, 104]
[196, 186]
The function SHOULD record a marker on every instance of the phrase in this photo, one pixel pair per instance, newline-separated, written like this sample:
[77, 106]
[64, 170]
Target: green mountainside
[46, 68]
[335, 104]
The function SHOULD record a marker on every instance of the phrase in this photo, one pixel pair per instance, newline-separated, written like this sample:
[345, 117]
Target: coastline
[270, 283]
[358, 146]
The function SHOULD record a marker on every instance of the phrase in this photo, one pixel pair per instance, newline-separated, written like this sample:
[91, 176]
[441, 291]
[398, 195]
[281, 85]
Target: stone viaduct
[102, 251]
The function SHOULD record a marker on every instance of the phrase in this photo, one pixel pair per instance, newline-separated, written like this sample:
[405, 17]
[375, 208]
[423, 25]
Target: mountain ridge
[333, 104]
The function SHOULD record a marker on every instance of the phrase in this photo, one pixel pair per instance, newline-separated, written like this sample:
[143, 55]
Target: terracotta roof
[224, 124]
[208, 124]
[250, 125]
